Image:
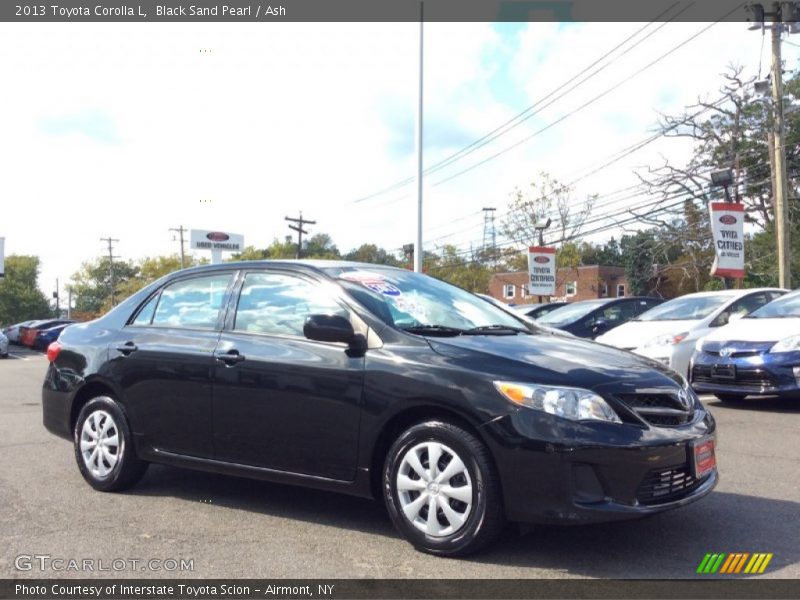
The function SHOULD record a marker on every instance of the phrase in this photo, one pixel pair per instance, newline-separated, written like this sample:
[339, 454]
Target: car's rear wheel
[441, 489]
[730, 398]
[104, 447]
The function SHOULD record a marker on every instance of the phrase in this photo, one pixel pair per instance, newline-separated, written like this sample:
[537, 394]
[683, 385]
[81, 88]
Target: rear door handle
[127, 348]
[230, 358]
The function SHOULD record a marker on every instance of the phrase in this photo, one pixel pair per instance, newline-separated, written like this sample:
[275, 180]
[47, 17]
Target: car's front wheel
[441, 489]
[104, 446]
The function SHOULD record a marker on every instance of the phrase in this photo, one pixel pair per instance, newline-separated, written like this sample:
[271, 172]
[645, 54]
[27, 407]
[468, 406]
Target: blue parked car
[45, 337]
[758, 354]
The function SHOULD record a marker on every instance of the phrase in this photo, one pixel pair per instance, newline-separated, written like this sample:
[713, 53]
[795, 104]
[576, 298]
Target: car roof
[318, 265]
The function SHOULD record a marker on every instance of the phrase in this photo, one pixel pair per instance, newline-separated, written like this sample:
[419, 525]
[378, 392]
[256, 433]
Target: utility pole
[300, 231]
[180, 230]
[781, 205]
[784, 17]
[110, 241]
[55, 296]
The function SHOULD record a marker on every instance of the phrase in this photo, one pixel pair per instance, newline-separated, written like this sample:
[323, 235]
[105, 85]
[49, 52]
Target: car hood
[634, 334]
[756, 330]
[557, 360]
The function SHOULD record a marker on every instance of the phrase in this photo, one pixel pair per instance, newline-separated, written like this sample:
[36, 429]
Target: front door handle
[230, 358]
[127, 348]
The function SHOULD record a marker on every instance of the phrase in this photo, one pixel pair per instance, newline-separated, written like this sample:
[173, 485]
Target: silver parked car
[3, 345]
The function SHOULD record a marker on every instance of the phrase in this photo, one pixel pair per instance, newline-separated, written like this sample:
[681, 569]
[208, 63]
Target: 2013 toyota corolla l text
[377, 382]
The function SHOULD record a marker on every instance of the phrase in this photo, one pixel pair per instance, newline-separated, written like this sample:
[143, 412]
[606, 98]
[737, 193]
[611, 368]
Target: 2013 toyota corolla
[377, 382]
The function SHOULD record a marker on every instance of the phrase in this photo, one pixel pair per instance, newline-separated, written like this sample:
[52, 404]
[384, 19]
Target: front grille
[662, 410]
[755, 379]
[665, 485]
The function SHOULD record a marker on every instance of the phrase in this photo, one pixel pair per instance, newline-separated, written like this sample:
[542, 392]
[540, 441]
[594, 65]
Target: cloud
[92, 123]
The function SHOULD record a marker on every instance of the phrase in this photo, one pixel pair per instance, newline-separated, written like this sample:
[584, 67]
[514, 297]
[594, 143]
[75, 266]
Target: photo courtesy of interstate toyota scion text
[377, 382]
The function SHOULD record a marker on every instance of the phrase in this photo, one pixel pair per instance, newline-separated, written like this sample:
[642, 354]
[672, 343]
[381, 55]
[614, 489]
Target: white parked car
[669, 332]
[12, 332]
[3, 345]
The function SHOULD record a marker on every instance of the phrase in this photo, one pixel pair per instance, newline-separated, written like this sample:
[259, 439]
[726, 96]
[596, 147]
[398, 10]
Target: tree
[546, 199]
[92, 284]
[453, 267]
[20, 296]
[370, 253]
[320, 245]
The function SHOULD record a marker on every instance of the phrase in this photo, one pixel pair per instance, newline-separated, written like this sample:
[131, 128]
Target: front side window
[786, 307]
[686, 308]
[278, 304]
[192, 303]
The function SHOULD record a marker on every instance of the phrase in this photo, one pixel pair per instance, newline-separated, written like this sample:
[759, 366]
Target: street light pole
[418, 247]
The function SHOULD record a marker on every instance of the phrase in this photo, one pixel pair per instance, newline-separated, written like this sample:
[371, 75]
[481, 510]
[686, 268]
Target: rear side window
[192, 303]
[278, 304]
[145, 316]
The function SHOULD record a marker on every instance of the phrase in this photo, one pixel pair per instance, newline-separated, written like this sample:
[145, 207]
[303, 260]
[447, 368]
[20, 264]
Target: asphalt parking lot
[239, 528]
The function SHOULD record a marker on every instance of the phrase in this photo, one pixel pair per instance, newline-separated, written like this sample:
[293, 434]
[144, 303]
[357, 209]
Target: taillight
[53, 351]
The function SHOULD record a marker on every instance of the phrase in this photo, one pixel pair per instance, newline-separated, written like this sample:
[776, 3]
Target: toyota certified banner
[727, 227]
[541, 271]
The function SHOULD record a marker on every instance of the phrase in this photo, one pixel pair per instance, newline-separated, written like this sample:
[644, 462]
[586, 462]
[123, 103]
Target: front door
[282, 401]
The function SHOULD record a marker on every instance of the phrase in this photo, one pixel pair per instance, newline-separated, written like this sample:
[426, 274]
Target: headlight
[570, 403]
[668, 340]
[787, 344]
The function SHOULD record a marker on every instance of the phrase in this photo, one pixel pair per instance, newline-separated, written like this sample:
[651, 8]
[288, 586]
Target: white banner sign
[2, 257]
[202, 239]
[727, 228]
[541, 271]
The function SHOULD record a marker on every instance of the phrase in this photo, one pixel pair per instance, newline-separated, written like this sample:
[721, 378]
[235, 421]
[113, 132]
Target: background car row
[731, 343]
[36, 334]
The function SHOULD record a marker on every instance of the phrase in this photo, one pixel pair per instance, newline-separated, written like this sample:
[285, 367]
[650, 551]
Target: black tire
[730, 398]
[485, 519]
[127, 469]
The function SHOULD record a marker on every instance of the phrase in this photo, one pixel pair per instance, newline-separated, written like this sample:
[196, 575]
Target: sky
[128, 130]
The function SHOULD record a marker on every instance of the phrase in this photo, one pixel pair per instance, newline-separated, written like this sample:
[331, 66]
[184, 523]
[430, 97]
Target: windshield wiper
[441, 330]
[496, 330]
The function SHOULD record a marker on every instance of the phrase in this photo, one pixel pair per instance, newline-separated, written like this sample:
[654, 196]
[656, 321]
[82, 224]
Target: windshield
[408, 300]
[688, 308]
[571, 312]
[785, 307]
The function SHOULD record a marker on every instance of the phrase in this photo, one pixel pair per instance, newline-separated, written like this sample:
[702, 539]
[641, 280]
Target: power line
[526, 114]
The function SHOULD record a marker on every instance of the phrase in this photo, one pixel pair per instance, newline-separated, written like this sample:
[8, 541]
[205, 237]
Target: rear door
[282, 401]
[163, 361]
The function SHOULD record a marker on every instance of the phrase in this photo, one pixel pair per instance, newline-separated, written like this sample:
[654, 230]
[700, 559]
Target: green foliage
[20, 296]
[458, 269]
[91, 286]
[370, 253]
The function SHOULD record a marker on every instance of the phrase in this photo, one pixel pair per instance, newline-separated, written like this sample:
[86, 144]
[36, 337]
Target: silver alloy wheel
[435, 489]
[100, 443]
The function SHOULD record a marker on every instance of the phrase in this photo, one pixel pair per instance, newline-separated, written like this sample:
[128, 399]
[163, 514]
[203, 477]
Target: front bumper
[608, 472]
[760, 374]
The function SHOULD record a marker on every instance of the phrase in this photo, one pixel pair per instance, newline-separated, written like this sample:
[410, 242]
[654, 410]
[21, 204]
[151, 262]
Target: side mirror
[328, 328]
[735, 317]
[599, 325]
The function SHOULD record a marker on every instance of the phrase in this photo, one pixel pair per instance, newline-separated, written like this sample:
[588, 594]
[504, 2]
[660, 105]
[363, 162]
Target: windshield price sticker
[727, 228]
[372, 281]
[541, 271]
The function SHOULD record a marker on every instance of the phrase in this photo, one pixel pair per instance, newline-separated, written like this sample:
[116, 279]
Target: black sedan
[376, 382]
[591, 318]
[537, 311]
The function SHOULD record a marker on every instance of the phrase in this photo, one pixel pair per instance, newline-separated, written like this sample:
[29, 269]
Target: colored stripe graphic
[734, 563]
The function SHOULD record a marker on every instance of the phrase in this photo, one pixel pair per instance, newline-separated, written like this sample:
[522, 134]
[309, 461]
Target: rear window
[192, 303]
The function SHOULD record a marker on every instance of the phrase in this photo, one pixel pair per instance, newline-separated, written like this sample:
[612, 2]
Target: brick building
[572, 285]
